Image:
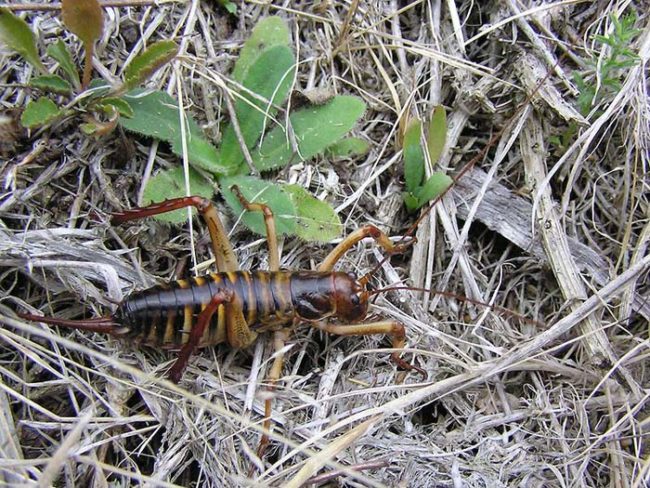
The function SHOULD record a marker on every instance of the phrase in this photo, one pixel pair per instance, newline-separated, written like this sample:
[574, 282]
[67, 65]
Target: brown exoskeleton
[234, 306]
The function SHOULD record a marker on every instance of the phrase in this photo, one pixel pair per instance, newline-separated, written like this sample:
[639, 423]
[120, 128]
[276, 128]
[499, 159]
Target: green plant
[264, 73]
[603, 77]
[66, 95]
[418, 190]
[348, 147]
[85, 19]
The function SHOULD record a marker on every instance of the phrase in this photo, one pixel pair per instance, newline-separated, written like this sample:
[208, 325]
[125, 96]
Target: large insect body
[235, 306]
[164, 315]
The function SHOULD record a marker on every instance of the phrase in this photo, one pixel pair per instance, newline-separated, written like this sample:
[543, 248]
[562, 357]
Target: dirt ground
[549, 224]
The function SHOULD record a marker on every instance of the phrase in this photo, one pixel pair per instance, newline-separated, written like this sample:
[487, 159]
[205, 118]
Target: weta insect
[234, 306]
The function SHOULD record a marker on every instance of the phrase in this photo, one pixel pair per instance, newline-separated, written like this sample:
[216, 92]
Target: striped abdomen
[164, 315]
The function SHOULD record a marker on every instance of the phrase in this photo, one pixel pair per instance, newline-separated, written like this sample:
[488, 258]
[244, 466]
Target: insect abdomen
[164, 315]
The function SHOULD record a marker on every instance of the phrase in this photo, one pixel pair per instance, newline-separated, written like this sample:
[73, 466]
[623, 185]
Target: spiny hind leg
[220, 298]
[238, 332]
[279, 338]
[346, 244]
[223, 251]
[391, 328]
[269, 222]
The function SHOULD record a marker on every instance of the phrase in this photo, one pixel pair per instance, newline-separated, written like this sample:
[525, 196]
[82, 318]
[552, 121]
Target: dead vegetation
[550, 223]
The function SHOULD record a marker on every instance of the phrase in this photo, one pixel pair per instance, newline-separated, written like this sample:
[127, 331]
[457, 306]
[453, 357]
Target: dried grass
[556, 400]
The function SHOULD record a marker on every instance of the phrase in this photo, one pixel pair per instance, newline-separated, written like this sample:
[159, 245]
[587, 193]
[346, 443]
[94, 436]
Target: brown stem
[88, 66]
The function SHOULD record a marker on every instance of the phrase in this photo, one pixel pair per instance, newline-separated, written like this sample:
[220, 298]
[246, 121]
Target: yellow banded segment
[251, 315]
[188, 321]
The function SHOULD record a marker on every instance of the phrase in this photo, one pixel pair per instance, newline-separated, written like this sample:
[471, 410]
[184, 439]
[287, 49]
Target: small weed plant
[601, 81]
[602, 78]
[63, 93]
[264, 74]
[263, 138]
[420, 190]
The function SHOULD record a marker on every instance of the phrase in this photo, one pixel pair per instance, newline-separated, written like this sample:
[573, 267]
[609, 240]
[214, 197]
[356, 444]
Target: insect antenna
[397, 249]
[448, 294]
[365, 279]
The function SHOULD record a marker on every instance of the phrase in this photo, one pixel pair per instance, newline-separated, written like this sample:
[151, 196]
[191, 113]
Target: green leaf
[148, 62]
[156, 114]
[51, 83]
[555, 140]
[579, 80]
[119, 104]
[585, 99]
[410, 201]
[569, 134]
[260, 191]
[623, 63]
[270, 77]
[434, 186]
[615, 85]
[348, 147]
[268, 33]
[230, 7]
[413, 156]
[84, 18]
[17, 36]
[315, 129]
[315, 220]
[97, 88]
[39, 112]
[610, 41]
[59, 52]
[437, 134]
[171, 184]
[89, 128]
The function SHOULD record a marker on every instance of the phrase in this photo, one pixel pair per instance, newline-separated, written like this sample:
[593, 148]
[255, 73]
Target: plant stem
[88, 66]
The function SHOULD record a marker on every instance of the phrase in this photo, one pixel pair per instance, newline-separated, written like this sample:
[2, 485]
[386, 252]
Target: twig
[35, 7]
[322, 478]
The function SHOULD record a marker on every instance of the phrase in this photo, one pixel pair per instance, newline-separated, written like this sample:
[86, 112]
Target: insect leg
[389, 327]
[221, 297]
[279, 337]
[359, 234]
[269, 222]
[237, 330]
[223, 251]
